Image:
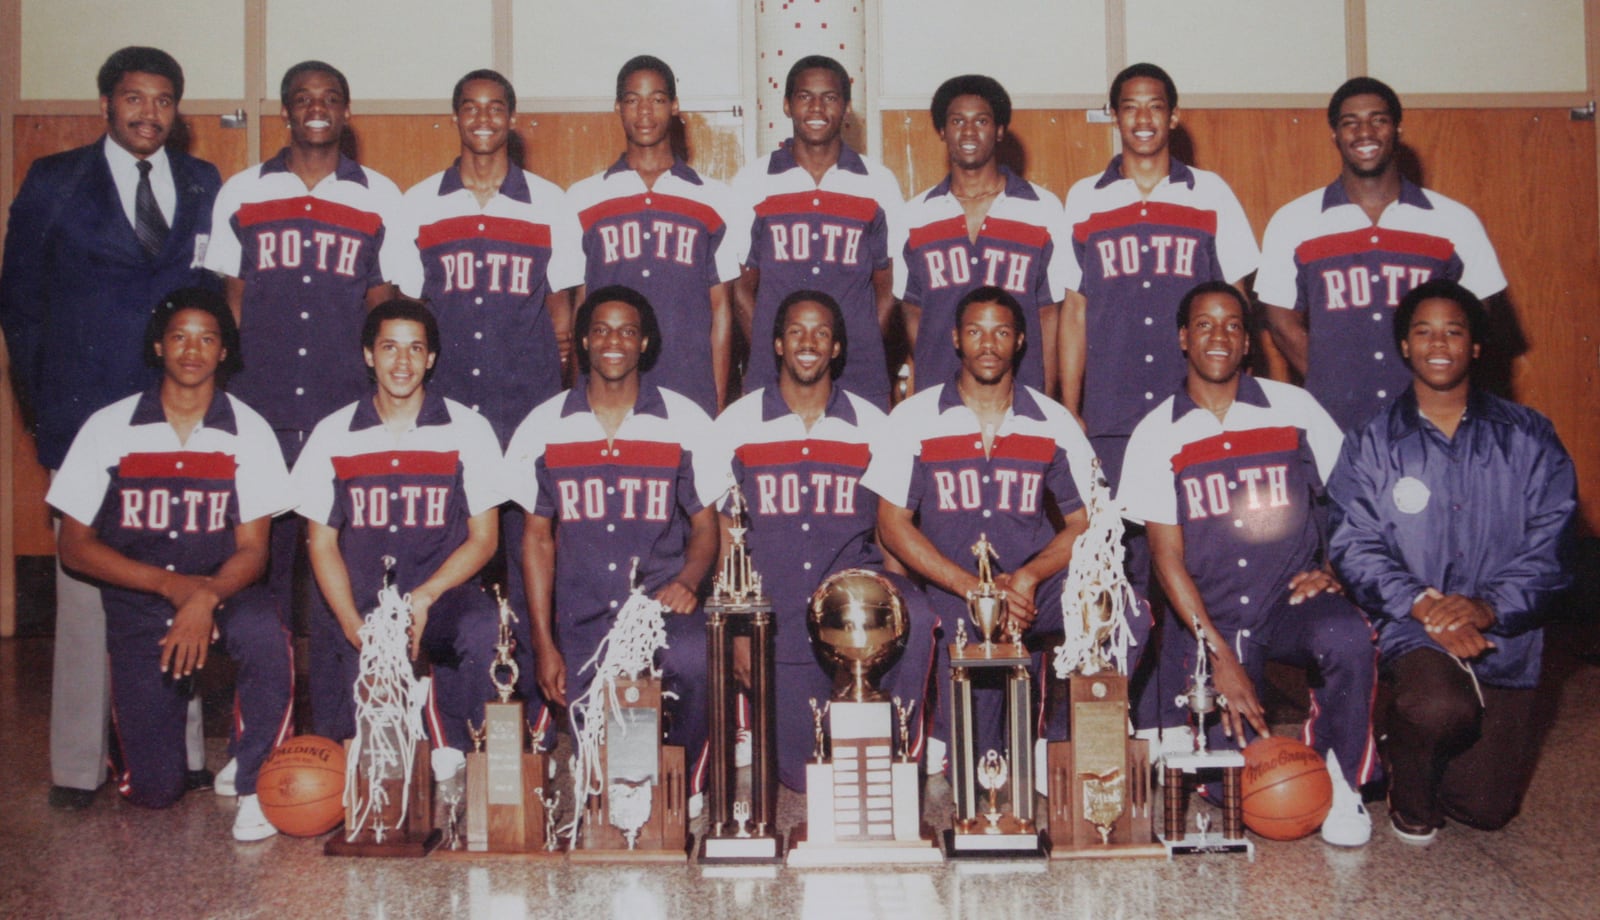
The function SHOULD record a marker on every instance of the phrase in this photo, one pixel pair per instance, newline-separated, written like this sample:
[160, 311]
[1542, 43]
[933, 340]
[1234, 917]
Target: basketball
[1287, 790]
[301, 787]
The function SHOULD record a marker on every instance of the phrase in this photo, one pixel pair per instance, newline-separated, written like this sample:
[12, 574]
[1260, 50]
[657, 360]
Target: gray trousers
[80, 689]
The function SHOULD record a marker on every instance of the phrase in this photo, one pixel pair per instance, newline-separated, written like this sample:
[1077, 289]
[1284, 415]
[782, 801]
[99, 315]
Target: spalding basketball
[301, 786]
[1287, 790]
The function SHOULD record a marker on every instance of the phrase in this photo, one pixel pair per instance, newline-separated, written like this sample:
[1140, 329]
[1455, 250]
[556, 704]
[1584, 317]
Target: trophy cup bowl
[988, 612]
[858, 624]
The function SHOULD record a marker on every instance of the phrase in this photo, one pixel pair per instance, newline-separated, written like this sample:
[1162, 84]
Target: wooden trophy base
[505, 829]
[1100, 764]
[664, 837]
[416, 838]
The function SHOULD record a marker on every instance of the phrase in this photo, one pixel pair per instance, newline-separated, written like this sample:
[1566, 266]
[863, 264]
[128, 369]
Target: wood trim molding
[1355, 39]
[10, 81]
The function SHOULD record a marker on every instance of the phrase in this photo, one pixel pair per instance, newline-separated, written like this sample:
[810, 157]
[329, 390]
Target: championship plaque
[993, 792]
[861, 790]
[740, 831]
[1182, 771]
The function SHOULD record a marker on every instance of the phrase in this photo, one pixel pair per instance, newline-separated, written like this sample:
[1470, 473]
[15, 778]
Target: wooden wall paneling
[1053, 147]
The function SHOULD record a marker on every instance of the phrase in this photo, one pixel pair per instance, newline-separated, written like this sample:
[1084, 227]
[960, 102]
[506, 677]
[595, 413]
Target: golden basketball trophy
[1001, 822]
[1098, 782]
[1181, 771]
[630, 789]
[740, 832]
[861, 790]
[506, 796]
[388, 790]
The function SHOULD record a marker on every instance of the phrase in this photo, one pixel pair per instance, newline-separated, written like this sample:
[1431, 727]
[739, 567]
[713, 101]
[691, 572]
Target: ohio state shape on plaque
[642, 812]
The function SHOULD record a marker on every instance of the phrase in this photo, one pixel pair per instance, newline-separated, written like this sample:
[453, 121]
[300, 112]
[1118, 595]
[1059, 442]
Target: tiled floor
[116, 860]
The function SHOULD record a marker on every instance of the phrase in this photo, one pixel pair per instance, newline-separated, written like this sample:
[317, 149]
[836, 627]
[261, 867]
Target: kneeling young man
[407, 474]
[1227, 475]
[1451, 508]
[166, 499]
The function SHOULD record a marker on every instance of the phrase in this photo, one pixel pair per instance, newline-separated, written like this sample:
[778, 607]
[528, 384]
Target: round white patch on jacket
[1411, 495]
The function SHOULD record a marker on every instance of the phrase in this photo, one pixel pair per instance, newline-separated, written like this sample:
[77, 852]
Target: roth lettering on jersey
[632, 498]
[289, 249]
[799, 241]
[197, 509]
[783, 493]
[1344, 288]
[953, 266]
[1001, 490]
[496, 272]
[1157, 254]
[406, 506]
[625, 241]
[1211, 494]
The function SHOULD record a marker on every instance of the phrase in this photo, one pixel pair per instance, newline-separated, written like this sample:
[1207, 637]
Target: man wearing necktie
[96, 236]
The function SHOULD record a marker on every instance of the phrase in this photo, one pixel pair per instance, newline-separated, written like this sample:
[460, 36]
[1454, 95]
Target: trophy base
[595, 855]
[974, 654]
[1208, 845]
[1035, 845]
[388, 849]
[741, 850]
[867, 853]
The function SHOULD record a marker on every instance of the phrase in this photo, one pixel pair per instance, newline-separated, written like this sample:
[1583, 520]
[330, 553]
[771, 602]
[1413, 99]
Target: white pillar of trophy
[861, 791]
[1182, 770]
[999, 820]
[740, 831]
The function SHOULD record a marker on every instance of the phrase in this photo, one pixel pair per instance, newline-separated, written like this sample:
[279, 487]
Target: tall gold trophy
[999, 821]
[861, 791]
[1099, 782]
[740, 831]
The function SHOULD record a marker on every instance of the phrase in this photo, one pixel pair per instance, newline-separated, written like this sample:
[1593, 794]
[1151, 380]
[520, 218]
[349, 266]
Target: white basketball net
[1096, 598]
[389, 701]
[627, 651]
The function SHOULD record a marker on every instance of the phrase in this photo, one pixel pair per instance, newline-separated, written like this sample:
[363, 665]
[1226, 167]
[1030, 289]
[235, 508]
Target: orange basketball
[301, 787]
[1287, 790]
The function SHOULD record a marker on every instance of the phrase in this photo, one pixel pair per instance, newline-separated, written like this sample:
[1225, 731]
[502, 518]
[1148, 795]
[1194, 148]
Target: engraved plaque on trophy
[992, 791]
[1182, 771]
[641, 812]
[861, 787]
[740, 831]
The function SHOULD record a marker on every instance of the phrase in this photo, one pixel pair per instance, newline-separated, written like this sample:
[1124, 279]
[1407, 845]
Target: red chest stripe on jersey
[1250, 443]
[180, 465]
[788, 453]
[313, 209]
[500, 229]
[954, 228]
[700, 213]
[828, 204]
[616, 453]
[397, 463]
[1400, 242]
[1026, 447]
[1152, 212]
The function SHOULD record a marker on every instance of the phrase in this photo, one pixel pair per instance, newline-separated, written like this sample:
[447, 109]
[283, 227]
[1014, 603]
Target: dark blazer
[76, 288]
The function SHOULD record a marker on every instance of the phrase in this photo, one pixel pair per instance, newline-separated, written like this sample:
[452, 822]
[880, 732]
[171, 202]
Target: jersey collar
[839, 406]
[434, 412]
[650, 401]
[513, 186]
[1250, 393]
[679, 168]
[1022, 401]
[1410, 193]
[219, 414]
[1177, 172]
[1016, 187]
[782, 159]
[348, 170]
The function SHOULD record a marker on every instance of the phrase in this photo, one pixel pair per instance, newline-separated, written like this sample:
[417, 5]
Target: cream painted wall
[1242, 46]
[1485, 46]
[65, 41]
[388, 49]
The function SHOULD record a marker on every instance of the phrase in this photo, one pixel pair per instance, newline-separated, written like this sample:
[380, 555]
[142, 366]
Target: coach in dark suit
[97, 235]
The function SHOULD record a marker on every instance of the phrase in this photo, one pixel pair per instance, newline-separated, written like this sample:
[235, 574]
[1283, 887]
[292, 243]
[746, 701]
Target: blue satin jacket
[1484, 514]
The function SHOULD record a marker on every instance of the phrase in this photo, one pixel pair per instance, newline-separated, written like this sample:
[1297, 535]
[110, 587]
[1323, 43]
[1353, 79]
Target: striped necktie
[148, 224]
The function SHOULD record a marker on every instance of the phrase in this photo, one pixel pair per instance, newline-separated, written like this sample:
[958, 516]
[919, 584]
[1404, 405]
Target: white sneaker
[743, 748]
[224, 783]
[250, 824]
[446, 763]
[1347, 823]
[697, 804]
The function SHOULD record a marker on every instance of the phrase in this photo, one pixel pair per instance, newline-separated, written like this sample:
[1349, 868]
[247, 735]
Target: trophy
[387, 788]
[1006, 827]
[1181, 771]
[861, 793]
[740, 831]
[630, 789]
[505, 782]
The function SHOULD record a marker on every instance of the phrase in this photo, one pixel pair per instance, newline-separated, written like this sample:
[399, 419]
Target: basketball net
[1096, 598]
[389, 702]
[627, 651]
